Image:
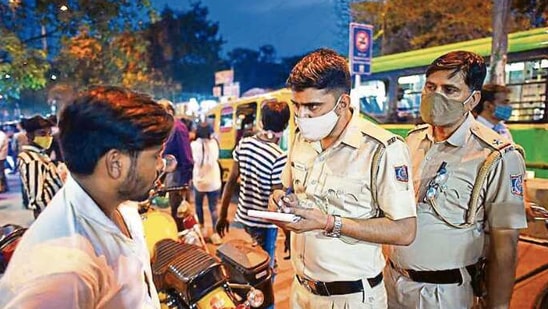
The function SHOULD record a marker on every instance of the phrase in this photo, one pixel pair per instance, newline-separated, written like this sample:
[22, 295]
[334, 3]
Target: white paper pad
[272, 215]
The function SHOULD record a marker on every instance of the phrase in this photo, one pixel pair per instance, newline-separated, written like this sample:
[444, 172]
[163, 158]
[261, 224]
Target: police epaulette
[379, 134]
[393, 139]
[491, 138]
[417, 128]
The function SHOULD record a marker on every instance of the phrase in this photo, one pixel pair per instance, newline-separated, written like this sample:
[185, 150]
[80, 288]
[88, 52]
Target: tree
[406, 25]
[32, 33]
[185, 46]
[257, 69]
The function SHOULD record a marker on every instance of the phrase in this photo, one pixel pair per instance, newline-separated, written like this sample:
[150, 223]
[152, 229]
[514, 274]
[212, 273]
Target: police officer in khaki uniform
[351, 188]
[468, 180]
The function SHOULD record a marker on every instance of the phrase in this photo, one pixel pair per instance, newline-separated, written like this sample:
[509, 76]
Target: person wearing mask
[258, 162]
[178, 145]
[39, 175]
[494, 109]
[206, 176]
[351, 190]
[469, 182]
[87, 249]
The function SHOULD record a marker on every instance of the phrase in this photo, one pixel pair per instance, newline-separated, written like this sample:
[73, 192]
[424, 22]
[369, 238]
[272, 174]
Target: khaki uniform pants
[406, 293]
[371, 298]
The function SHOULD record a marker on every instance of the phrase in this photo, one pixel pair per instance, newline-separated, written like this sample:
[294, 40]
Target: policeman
[494, 109]
[351, 188]
[468, 181]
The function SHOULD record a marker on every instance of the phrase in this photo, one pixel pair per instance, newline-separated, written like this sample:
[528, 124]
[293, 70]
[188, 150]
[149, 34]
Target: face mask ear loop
[469, 97]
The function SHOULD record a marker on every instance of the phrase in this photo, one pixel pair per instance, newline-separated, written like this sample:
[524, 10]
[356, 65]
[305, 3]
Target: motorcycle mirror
[170, 164]
[255, 298]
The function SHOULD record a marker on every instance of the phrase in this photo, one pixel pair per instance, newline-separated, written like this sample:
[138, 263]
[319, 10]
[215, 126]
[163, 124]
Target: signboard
[232, 90]
[361, 48]
[224, 77]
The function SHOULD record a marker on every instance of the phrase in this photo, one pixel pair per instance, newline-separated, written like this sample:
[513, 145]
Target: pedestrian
[258, 162]
[39, 175]
[19, 140]
[468, 181]
[178, 145]
[86, 251]
[494, 109]
[206, 176]
[351, 189]
[4, 145]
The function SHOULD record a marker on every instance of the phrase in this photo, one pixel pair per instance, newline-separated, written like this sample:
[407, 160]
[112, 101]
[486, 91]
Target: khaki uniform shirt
[437, 245]
[338, 181]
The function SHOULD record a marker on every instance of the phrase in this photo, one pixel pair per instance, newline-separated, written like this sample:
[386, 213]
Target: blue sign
[361, 48]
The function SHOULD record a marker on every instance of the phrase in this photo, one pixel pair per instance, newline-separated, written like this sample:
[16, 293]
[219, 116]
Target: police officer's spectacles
[435, 185]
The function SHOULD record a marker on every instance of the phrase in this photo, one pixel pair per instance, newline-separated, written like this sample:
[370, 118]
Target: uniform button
[313, 182]
[320, 159]
[427, 158]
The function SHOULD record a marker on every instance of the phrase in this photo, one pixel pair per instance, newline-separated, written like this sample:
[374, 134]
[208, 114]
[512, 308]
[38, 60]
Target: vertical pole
[499, 46]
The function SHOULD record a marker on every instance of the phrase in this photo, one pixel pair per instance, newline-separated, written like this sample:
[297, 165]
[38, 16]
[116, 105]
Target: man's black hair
[469, 64]
[108, 117]
[275, 115]
[321, 69]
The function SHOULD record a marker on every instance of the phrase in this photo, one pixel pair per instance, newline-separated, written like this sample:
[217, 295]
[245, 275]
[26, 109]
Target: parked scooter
[10, 235]
[184, 273]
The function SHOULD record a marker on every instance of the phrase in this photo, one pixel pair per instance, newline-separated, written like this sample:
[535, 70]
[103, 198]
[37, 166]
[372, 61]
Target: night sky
[293, 27]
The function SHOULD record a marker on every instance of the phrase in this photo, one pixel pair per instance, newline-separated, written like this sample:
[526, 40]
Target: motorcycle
[185, 274]
[10, 235]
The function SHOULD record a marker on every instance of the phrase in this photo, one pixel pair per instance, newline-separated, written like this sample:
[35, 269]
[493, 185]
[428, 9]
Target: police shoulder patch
[516, 182]
[401, 173]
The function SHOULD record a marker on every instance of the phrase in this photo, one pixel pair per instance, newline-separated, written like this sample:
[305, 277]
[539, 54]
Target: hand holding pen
[281, 201]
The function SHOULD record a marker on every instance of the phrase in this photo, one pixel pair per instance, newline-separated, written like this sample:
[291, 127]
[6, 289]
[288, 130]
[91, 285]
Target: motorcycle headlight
[255, 298]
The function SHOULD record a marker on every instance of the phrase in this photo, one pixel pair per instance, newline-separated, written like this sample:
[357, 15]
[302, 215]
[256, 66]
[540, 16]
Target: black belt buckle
[314, 287]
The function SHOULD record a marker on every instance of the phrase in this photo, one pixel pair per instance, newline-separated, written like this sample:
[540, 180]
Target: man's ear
[476, 97]
[114, 162]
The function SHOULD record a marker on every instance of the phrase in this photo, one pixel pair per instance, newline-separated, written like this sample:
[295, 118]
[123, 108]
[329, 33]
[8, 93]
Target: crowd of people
[430, 198]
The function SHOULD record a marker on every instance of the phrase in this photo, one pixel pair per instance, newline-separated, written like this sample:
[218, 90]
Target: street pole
[499, 46]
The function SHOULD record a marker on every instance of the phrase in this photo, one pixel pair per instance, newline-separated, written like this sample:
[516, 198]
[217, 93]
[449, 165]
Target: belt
[445, 276]
[337, 287]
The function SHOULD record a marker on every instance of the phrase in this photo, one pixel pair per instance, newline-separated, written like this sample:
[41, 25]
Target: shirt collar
[33, 148]
[458, 137]
[484, 122]
[352, 134]
[85, 207]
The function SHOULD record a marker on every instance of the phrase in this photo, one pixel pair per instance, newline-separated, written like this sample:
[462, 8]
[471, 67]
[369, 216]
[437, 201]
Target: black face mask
[203, 132]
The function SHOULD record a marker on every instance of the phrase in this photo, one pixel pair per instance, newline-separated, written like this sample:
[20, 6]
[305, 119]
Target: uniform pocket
[347, 197]
[299, 173]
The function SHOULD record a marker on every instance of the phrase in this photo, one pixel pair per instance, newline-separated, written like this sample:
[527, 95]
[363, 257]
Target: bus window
[372, 97]
[246, 118]
[226, 123]
[527, 82]
[409, 97]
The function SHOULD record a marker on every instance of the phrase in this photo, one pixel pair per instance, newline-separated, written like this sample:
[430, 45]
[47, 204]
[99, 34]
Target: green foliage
[185, 46]
[20, 67]
[402, 25]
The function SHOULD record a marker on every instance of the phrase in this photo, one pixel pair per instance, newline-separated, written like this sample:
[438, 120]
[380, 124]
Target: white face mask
[317, 128]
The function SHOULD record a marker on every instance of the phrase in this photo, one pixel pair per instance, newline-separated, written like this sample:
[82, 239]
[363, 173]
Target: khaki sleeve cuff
[398, 205]
[507, 215]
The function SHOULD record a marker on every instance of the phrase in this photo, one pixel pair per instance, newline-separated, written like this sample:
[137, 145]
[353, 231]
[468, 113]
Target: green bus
[526, 76]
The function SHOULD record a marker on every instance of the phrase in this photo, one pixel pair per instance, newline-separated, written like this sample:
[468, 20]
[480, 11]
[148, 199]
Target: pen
[280, 205]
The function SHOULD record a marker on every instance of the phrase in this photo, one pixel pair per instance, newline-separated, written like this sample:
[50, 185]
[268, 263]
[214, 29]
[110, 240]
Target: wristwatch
[336, 232]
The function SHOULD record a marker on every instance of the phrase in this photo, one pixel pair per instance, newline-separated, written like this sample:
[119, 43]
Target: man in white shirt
[494, 109]
[86, 251]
